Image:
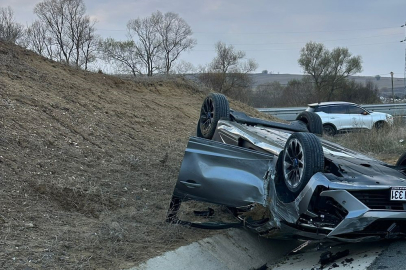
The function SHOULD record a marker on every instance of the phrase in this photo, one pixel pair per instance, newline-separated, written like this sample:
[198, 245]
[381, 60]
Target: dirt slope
[88, 163]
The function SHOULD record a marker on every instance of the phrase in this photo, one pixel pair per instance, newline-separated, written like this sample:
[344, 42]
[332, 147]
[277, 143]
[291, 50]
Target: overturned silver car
[311, 188]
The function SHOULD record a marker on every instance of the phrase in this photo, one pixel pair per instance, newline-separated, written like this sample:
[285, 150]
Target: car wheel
[302, 158]
[329, 130]
[312, 121]
[215, 106]
[380, 125]
[402, 160]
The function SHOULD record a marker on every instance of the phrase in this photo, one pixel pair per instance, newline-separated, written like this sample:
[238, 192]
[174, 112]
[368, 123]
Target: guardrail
[290, 113]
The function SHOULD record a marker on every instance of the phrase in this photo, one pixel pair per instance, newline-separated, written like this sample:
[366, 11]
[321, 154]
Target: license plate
[398, 194]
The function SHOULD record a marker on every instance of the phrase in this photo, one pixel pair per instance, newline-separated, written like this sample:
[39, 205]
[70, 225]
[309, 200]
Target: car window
[355, 110]
[338, 109]
[324, 109]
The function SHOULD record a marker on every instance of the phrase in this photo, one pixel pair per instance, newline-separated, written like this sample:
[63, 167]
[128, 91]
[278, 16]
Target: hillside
[88, 164]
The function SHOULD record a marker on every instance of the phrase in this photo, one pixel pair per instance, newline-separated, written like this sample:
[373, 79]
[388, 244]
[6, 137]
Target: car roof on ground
[330, 103]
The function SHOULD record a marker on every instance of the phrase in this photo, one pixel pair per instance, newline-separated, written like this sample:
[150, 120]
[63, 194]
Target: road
[391, 258]
[371, 256]
[239, 249]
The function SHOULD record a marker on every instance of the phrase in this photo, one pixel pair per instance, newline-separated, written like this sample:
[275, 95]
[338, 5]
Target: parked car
[345, 116]
[283, 180]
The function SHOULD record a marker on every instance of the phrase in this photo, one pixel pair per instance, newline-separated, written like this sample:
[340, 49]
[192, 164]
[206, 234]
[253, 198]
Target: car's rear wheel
[312, 121]
[215, 106]
[302, 158]
[329, 130]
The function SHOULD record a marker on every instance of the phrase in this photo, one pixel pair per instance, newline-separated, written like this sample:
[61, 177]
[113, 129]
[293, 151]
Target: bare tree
[69, 28]
[228, 72]
[147, 41]
[175, 36]
[183, 67]
[81, 31]
[123, 54]
[10, 31]
[39, 40]
[89, 46]
[52, 14]
[329, 69]
[154, 44]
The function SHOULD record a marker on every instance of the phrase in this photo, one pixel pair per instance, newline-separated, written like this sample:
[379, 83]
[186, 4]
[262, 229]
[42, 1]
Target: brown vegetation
[387, 144]
[88, 163]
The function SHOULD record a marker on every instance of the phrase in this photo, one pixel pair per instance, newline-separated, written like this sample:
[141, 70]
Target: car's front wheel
[381, 125]
[302, 158]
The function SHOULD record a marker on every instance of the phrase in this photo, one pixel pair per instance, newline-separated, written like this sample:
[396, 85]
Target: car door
[338, 116]
[360, 117]
[223, 174]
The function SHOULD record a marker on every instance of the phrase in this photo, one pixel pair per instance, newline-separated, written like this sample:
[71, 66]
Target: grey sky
[271, 32]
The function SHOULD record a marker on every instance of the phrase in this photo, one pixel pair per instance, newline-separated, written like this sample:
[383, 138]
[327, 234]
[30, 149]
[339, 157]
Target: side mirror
[364, 113]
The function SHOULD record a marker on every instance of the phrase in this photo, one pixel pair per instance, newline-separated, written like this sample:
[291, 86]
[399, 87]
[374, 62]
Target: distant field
[384, 82]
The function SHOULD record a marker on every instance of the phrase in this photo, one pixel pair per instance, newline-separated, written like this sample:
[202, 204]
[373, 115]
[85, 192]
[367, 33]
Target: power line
[404, 73]
[272, 32]
[295, 48]
[296, 32]
[300, 42]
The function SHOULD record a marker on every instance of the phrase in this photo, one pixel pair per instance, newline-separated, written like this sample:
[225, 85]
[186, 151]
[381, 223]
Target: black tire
[302, 158]
[198, 130]
[380, 125]
[215, 107]
[312, 121]
[329, 130]
[402, 160]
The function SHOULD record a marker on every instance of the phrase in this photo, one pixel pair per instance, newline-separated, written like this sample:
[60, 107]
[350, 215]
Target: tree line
[327, 78]
[299, 93]
[65, 33]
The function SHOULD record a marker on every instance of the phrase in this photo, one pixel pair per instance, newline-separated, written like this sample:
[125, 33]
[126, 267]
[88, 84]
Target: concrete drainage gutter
[238, 249]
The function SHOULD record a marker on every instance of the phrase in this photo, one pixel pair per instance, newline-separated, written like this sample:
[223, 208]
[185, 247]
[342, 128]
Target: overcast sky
[271, 32]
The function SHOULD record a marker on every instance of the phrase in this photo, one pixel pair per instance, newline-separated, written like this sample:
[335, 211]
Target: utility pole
[404, 75]
[393, 96]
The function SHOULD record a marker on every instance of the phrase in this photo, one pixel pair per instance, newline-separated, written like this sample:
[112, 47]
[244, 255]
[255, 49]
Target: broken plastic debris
[328, 257]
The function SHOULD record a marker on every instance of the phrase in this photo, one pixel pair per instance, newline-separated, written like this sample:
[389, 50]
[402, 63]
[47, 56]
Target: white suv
[344, 116]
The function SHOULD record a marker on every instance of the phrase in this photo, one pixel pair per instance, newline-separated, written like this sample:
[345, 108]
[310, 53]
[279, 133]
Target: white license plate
[398, 194]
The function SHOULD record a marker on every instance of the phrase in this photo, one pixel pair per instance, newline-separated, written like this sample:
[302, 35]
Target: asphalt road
[394, 257]
[358, 256]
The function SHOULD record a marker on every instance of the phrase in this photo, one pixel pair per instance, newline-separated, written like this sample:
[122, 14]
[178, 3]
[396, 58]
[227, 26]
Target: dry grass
[88, 163]
[387, 144]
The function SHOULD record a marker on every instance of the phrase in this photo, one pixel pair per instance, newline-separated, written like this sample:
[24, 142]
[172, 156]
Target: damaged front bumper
[337, 211]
